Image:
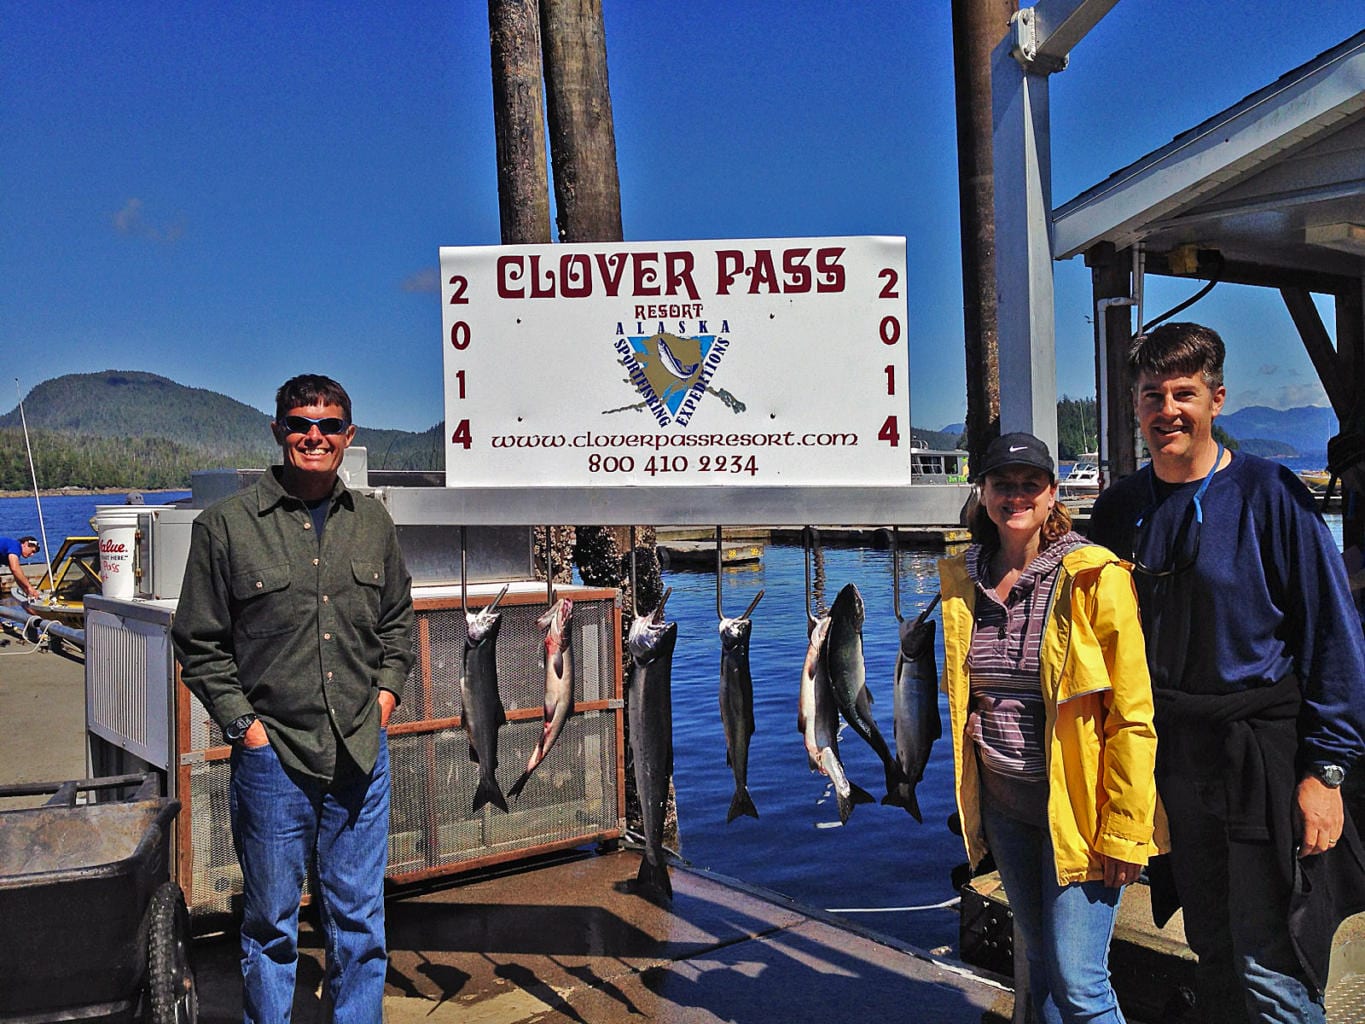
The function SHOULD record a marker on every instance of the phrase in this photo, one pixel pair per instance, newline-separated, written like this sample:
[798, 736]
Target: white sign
[758, 361]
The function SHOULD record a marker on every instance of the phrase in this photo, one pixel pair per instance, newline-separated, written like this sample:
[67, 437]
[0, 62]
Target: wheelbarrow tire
[171, 994]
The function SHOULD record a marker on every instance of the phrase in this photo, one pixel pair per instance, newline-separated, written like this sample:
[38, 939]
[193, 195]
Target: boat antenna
[33, 474]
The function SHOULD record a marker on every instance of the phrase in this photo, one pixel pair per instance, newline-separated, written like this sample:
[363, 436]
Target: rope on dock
[41, 642]
[945, 905]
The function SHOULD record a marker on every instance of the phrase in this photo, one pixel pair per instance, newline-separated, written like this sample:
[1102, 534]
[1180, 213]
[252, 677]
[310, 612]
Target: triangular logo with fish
[671, 372]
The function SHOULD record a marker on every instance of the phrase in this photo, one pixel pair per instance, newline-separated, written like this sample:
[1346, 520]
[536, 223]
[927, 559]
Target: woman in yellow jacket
[1051, 709]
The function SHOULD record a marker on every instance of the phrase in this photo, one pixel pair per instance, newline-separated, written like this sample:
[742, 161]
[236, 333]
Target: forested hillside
[135, 429]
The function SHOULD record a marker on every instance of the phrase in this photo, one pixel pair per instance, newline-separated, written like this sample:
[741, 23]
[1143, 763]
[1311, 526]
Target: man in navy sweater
[1258, 665]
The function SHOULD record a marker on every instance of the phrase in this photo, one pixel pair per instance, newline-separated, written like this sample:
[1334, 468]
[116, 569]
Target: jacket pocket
[265, 606]
[369, 578]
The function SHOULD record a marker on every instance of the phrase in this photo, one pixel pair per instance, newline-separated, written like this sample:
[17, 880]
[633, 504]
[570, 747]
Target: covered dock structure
[1269, 192]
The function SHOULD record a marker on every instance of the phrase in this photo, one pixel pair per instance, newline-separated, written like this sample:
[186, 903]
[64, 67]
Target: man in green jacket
[294, 631]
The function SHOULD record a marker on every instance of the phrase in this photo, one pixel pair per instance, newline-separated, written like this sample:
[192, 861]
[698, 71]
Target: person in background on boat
[293, 631]
[12, 551]
[1051, 710]
[1256, 658]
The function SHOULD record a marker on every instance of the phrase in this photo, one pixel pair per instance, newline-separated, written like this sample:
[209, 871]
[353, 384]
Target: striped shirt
[1007, 715]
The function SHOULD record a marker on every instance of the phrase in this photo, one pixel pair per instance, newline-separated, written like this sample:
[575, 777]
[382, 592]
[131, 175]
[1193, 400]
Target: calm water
[65, 515]
[882, 858]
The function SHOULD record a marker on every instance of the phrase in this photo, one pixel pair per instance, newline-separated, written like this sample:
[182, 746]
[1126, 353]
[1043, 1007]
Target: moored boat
[1315, 479]
[1082, 481]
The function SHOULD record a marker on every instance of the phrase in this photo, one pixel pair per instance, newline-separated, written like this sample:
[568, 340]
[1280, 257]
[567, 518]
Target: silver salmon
[817, 719]
[482, 712]
[737, 706]
[848, 679]
[805, 708]
[558, 685]
[649, 710]
[917, 718]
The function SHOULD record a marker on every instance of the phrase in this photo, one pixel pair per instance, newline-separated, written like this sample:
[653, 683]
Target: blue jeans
[1248, 970]
[1067, 928]
[280, 822]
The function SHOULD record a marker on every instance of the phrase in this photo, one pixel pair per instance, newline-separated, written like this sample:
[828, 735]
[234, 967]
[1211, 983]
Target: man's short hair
[31, 540]
[310, 389]
[1182, 349]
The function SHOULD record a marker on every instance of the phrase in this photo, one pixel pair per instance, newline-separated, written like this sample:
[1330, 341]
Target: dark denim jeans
[279, 822]
[1066, 928]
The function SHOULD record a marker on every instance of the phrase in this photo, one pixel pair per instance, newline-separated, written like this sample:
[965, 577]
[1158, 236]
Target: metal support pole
[1039, 45]
[1023, 249]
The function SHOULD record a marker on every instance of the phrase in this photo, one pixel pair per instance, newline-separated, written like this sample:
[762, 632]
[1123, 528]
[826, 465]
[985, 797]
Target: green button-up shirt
[303, 634]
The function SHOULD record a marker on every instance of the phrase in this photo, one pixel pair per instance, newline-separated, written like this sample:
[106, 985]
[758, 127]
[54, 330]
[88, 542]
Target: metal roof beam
[1045, 33]
[673, 505]
[1260, 275]
[1232, 144]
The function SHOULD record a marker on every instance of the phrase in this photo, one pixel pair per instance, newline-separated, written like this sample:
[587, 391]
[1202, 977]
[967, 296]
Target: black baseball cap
[1018, 449]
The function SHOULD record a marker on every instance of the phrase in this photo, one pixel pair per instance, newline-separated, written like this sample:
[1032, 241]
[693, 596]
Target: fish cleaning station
[520, 900]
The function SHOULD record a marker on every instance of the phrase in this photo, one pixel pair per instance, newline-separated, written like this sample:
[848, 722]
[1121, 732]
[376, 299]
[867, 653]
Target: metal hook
[805, 556]
[464, 581]
[810, 538]
[493, 605]
[930, 607]
[634, 605]
[896, 573]
[896, 582]
[549, 567]
[720, 614]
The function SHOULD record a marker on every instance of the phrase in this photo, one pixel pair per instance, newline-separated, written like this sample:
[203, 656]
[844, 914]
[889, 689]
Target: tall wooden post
[1111, 277]
[587, 193]
[523, 178]
[978, 26]
[518, 121]
[582, 134]
[588, 209]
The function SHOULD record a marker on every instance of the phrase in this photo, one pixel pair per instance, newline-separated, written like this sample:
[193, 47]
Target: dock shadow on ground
[569, 942]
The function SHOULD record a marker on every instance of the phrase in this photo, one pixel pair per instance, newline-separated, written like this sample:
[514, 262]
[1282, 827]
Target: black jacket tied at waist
[1259, 732]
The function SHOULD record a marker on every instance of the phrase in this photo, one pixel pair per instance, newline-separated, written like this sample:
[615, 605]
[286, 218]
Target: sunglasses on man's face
[326, 424]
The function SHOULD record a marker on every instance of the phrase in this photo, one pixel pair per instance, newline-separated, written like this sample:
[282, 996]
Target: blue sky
[228, 194]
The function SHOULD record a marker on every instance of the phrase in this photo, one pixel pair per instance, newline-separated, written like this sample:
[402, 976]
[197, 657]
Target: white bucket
[117, 529]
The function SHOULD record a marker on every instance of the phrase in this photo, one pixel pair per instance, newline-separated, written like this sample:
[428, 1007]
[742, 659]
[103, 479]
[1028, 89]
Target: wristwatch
[237, 728]
[1330, 775]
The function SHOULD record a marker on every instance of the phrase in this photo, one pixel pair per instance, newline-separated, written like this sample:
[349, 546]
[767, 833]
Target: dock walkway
[566, 940]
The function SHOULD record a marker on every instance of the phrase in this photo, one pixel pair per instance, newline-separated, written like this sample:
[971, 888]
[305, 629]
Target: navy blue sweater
[1264, 594]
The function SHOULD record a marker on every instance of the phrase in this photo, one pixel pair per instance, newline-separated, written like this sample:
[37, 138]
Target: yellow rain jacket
[1100, 742]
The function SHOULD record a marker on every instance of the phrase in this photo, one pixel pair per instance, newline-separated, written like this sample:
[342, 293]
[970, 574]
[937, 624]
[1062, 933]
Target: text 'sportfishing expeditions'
[758, 361]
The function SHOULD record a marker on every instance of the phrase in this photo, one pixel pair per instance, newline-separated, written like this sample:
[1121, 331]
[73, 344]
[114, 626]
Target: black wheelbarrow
[91, 925]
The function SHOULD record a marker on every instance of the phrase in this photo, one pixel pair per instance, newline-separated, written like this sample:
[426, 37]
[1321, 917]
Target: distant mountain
[135, 429]
[1258, 429]
[1305, 429]
[1265, 448]
[940, 440]
[128, 404]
